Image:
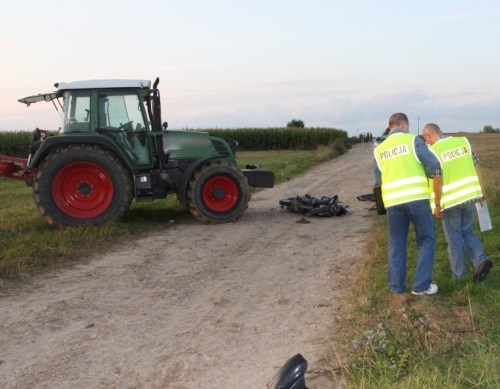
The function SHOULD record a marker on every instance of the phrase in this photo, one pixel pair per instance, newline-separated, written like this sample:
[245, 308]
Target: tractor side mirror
[165, 125]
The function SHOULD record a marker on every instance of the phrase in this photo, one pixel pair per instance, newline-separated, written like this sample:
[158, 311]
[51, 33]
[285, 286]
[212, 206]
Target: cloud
[461, 112]
[274, 107]
[266, 116]
[461, 15]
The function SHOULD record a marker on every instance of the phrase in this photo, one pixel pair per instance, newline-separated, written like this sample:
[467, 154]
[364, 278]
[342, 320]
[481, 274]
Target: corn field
[252, 139]
[16, 143]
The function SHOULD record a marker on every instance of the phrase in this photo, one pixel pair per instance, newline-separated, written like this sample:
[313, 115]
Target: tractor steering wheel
[128, 124]
[128, 129]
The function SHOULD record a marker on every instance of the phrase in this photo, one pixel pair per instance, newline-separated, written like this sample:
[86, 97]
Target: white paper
[484, 216]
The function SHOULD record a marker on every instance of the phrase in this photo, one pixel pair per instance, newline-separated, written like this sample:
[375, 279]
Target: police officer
[462, 187]
[402, 166]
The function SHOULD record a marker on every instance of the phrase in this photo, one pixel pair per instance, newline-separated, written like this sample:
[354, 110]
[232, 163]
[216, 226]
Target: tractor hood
[194, 145]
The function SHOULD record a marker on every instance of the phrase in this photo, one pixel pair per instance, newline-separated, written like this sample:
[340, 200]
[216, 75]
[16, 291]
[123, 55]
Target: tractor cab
[119, 109]
[113, 108]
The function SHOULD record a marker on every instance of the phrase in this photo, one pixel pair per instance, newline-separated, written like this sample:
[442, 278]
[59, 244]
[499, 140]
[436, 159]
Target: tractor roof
[88, 84]
[99, 84]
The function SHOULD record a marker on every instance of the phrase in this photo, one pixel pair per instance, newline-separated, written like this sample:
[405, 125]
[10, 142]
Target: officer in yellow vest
[402, 166]
[455, 204]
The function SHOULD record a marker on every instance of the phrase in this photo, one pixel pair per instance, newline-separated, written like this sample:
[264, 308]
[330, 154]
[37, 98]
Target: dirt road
[197, 305]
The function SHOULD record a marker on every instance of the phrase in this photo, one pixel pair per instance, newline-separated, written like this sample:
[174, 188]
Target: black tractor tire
[82, 185]
[218, 193]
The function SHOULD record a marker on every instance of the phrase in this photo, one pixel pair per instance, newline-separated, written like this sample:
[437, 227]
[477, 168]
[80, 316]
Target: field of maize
[16, 143]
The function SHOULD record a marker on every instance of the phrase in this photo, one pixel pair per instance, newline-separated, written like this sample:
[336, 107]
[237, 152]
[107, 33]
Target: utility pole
[418, 125]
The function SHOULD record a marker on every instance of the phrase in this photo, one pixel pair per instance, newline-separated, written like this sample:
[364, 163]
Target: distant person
[462, 187]
[402, 166]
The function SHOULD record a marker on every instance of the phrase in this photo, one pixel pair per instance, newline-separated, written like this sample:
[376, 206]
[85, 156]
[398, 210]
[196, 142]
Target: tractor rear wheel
[218, 192]
[82, 185]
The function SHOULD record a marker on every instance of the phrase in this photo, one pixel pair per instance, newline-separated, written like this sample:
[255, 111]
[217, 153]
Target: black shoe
[482, 271]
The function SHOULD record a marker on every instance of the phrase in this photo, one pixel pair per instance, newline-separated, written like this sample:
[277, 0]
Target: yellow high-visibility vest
[460, 180]
[403, 176]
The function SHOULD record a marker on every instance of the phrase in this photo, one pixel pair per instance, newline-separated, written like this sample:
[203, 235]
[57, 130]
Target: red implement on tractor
[15, 168]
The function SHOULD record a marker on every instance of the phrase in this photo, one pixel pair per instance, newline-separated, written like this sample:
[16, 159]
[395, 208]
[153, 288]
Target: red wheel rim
[220, 194]
[82, 190]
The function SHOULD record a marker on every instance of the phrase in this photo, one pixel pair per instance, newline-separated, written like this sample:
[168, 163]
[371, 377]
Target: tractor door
[76, 112]
[121, 116]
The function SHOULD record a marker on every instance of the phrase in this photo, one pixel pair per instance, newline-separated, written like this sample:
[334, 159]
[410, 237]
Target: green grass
[28, 244]
[449, 340]
[286, 163]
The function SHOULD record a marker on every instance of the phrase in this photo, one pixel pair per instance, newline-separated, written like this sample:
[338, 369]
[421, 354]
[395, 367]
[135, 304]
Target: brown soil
[199, 305]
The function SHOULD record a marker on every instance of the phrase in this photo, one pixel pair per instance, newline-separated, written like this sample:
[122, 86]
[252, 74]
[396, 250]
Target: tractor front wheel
[218, 192]
[82, 185]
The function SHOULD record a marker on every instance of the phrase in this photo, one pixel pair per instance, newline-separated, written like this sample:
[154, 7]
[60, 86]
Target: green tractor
[112, 147]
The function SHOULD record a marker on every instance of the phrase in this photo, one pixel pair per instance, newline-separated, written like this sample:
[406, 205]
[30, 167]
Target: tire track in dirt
[197, 305]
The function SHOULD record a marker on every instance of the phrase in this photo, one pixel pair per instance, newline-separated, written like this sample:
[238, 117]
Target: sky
[261, 63]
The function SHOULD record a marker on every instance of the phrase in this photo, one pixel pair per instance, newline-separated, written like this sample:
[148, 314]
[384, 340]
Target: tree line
[490, 129]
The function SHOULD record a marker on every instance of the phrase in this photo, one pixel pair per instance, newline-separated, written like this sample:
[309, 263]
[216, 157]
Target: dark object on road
[291, 375]
[366, 197]
[312, 206]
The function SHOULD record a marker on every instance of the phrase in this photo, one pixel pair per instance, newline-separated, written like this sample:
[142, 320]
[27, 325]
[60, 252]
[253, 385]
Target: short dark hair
[434, 128]
[397, 118]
